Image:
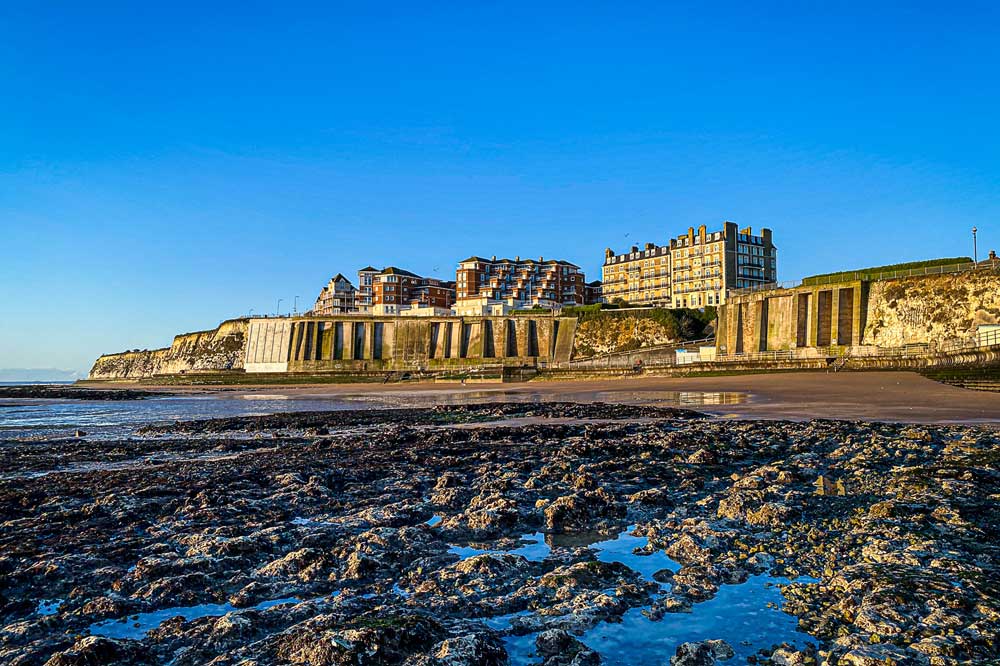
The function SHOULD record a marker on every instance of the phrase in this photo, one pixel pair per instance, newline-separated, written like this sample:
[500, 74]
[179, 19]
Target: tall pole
[975, 249]
[278, 309]
[295, 308]
[250, 313]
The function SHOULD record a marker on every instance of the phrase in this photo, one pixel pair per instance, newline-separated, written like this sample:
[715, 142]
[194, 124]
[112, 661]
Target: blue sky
[165, 166]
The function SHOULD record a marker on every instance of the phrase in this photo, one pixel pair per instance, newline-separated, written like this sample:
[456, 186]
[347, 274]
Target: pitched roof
[519, 261]
[392, 270]
[368, 269]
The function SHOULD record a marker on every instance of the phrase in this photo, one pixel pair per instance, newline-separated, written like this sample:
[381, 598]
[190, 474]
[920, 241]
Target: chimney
[494, 258]
[635, 248]
[541, 258]
[517, 258]
[608, 253]
[649, 246]
[993, 255]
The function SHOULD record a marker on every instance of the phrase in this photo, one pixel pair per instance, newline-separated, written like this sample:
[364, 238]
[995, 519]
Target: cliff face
[941, 307]
[218, 349]
[616, 332]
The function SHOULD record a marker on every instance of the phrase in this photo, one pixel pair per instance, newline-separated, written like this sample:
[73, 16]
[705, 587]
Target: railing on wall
[983, 340]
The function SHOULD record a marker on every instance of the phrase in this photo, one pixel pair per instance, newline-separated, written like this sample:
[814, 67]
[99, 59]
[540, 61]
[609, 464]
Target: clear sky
[164, 166]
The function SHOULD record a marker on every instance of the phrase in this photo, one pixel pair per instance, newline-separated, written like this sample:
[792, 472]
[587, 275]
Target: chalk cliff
[610, 331]
[219, 349]
[933, 308]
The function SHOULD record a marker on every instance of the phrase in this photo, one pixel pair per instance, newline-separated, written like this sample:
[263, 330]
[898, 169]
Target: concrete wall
[928, 310]
[351, 344]
[268, 341]
[784, 319]
[362, 343]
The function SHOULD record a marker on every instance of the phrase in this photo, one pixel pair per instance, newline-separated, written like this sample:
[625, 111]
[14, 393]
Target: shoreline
[869, 396]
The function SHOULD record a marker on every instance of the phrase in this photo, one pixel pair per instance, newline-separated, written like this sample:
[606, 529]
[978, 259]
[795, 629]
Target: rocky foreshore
[67, 392]
[495, 534]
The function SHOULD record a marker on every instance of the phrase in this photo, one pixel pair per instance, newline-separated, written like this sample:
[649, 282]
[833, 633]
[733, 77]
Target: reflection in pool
[137, 627]
[748, 615]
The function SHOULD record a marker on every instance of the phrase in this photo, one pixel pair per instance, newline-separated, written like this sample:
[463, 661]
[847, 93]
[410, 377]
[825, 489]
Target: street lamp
[975, 249]
[295, 307]
[250, 314]
[278, 309]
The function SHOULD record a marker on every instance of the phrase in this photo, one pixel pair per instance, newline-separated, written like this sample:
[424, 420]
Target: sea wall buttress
[351, 343]
[932, 310]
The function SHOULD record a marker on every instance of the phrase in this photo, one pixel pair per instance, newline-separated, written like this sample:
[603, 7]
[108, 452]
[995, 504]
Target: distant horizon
[13, 375]
[165, 168]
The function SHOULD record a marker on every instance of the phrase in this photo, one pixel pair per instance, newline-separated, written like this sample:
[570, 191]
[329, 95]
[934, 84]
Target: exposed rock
[249, 511]
[581, 510]
[98, 651]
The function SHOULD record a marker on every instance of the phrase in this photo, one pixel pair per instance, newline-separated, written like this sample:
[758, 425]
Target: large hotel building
[694, 271]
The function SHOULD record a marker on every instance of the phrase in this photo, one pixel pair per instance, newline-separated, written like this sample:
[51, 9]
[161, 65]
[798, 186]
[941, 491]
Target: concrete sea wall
[784, 319]
[924, 310]
[351, 344]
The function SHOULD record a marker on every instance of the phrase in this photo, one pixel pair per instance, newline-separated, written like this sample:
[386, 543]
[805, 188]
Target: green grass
[878, 272]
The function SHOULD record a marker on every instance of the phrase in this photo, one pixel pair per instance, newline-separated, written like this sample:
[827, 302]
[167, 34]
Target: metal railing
[983, 340]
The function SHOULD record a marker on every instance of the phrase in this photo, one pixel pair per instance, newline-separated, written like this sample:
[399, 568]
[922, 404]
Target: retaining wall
[351, 344]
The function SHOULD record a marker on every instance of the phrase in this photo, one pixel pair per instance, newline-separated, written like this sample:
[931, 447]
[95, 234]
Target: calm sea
[29, 418]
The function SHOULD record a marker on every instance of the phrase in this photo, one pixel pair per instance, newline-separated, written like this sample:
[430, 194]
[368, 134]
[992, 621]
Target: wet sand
[872, 396]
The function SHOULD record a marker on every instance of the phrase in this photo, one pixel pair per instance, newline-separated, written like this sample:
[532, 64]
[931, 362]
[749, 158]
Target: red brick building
[395, 290]
[488, 285]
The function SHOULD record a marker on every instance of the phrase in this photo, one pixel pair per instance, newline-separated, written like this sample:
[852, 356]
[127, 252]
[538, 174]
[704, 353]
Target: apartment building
[695, 270]
[639, 277]
[497, 286]
[704, 265]
[364, 299]
[337, 297]
[592, 292]
[396, 291]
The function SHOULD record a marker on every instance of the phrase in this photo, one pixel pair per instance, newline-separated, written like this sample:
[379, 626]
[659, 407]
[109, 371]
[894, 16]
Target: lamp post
[250, 314]
[295, 307]
[975, 249]
[278, 309]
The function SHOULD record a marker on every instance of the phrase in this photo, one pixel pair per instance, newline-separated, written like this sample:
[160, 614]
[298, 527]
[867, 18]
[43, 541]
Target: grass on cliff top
[878, 272]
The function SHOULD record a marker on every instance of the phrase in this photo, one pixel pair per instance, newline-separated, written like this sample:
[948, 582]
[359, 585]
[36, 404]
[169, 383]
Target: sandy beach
[870, 396]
